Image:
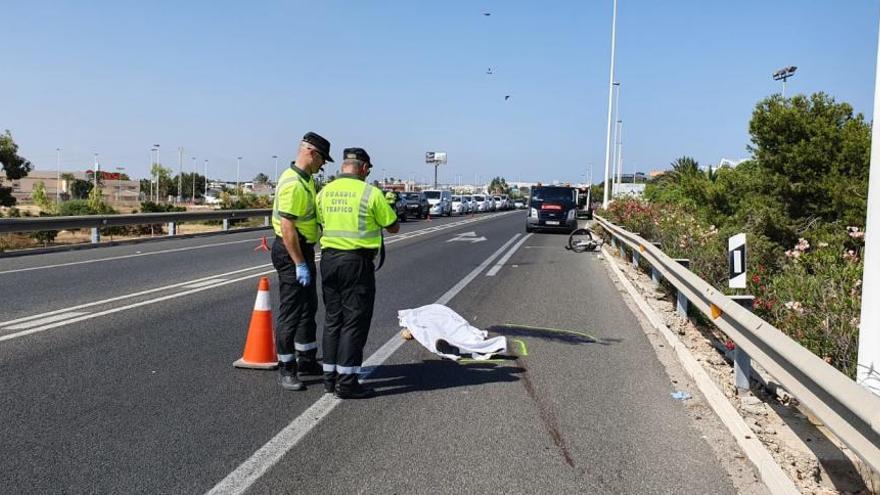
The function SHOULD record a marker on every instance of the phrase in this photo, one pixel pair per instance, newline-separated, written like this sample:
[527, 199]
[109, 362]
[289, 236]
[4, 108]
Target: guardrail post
[265, 221]
[172, 228]
[742, 364]
[96, 235]
[225, 224]
[681, 302]
[655, 273]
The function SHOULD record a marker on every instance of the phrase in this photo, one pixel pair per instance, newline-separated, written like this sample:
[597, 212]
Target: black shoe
[329, 386]
[289, 381]
[359, 392]
[309, 367]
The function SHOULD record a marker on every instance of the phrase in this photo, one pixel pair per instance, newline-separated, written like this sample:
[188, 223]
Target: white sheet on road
[434, 322]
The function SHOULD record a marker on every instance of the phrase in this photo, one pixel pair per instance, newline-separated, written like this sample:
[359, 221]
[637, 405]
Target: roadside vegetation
[801, 200]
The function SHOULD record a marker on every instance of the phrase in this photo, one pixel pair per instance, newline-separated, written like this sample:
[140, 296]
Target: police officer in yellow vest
[293, 255]
[353, 214]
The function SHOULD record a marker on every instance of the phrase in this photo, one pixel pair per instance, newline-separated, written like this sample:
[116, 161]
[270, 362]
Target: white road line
[190, 284]
[136, 255]
[43, 321]
[204, 283]
[128, 296]
[239, 480]
[506, 257]
[130, 306]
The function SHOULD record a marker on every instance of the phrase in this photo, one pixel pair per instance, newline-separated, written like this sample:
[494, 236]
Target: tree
[80, 189]
[814, 154]
[13, 165]
[261, 178]
[498, 186]
[39, 197]
[165, 184]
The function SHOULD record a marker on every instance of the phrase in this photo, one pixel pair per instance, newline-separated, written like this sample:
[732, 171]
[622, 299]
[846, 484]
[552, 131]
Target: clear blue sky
[226, 79]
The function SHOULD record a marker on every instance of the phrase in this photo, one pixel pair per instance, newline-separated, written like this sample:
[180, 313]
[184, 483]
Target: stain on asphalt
[547, 416]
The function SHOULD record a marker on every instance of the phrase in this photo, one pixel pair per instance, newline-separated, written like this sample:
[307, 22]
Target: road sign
[429, 157]
[467, 237]
[736, 261]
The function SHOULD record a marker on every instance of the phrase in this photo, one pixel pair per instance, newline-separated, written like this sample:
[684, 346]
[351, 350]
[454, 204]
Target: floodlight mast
[783, 74]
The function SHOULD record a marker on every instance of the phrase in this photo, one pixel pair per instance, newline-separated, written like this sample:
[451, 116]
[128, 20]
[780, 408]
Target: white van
[440, 201]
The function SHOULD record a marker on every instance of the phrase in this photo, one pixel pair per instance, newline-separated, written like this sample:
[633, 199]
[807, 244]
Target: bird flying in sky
[506, 97]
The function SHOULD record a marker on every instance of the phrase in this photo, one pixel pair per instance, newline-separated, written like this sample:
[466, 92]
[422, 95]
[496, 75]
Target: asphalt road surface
[117, 377]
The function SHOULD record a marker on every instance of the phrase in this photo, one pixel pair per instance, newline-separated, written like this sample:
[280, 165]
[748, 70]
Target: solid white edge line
[771, 473]
[248, 472]
[503, 260]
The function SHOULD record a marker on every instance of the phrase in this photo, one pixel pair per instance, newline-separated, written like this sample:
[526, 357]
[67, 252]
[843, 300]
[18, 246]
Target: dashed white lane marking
[269, 454]
[43, 321]
[506, 257]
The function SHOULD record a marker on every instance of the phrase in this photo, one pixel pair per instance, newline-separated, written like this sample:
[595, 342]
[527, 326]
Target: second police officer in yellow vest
[353, 214]
[295, 223]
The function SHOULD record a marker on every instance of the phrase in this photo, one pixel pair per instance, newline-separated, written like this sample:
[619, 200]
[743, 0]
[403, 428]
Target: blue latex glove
[302, 274]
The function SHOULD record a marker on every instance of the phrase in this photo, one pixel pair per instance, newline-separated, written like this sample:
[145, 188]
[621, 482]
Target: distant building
[113, 188]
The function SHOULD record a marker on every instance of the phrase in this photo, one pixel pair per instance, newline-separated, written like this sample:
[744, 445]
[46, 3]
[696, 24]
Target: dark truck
[416, 204]
[552, 208]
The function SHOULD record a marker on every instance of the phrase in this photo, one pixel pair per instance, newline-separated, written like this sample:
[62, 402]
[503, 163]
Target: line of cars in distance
[419, 204]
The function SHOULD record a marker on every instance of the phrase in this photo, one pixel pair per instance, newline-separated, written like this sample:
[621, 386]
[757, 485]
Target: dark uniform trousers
[349, 286]
[296, 316]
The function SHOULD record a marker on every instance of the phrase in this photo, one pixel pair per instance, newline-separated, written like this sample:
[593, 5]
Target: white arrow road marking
[467, 237]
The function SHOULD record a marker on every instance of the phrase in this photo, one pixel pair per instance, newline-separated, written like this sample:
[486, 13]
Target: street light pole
[610, 96]
[179, 174]
[275, 157]
[194, 180]
[95, 171]
[867, 373]
[58, 181]
[238, 176]
[206, 181]
[158, 176]
[619, 152]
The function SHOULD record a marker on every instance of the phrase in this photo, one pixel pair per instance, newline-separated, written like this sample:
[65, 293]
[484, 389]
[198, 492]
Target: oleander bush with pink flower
[801, 200]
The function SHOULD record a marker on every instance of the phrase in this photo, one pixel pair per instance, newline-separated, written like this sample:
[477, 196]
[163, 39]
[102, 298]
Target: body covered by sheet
[435, 323]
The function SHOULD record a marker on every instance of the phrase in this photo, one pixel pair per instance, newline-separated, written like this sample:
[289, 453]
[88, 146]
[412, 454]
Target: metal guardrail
[96, 222]
[846, 408]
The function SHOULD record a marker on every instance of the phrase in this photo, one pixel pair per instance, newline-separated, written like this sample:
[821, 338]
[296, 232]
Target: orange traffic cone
[259, 349]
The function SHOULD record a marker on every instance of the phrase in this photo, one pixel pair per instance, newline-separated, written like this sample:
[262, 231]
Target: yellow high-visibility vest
[353, 214]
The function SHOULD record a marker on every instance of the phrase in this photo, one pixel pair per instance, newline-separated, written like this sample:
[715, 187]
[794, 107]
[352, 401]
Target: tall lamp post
[782, 75]
[58, 179]
[194, 180]
[238, 176]
[206, 181]
[610, 96]
[275, 157]
[156, 149]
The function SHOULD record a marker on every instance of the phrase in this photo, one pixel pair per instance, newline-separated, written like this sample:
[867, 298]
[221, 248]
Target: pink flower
[850, 256]
[802, 245]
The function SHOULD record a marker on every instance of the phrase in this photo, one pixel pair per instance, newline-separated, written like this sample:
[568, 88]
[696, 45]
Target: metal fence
[846, 408]
[97, 222]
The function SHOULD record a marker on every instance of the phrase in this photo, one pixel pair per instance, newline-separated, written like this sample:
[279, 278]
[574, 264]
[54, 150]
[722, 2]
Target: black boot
[348, 387]
[307, 362]
[289, 381]
[309, 367]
